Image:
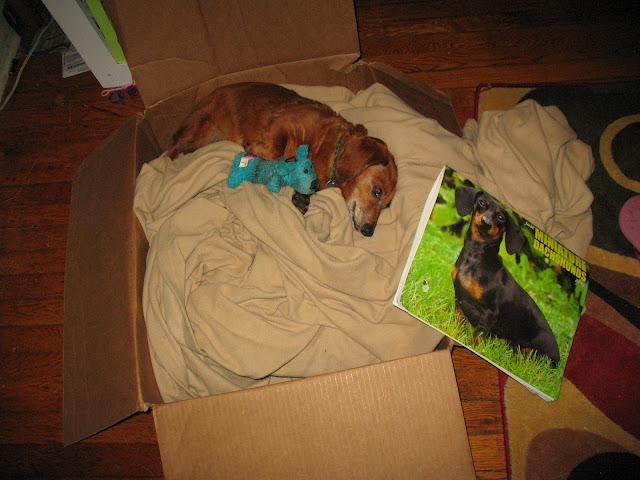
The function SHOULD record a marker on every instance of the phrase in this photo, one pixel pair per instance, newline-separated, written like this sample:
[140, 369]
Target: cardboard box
[395, 419]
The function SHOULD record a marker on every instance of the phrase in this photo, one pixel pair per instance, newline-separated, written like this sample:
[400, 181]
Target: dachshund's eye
[482, 203]
[377, 192]
[501, 218]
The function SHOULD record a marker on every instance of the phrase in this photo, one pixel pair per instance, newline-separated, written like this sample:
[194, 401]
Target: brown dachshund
[271, 122]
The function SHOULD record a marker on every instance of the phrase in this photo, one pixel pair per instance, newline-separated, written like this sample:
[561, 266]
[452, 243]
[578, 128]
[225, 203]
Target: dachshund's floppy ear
[361, 129]
[360, 153]
[514, 238]
[465, 198]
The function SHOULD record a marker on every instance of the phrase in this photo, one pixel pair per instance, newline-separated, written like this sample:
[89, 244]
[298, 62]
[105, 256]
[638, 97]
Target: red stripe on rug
[605, 367]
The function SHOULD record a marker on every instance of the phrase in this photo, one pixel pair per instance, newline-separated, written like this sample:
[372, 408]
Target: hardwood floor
[51, 124]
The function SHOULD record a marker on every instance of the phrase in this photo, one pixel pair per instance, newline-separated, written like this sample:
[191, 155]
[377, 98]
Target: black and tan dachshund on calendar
[486, 293]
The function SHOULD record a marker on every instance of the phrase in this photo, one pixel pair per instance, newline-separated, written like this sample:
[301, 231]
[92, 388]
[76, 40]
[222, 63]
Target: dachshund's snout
[486, 222]
[367, 230]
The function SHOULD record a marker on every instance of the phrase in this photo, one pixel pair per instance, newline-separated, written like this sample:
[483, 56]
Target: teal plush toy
[296, 172]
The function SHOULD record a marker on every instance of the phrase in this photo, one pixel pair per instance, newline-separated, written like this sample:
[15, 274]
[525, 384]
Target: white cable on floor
[24, 64]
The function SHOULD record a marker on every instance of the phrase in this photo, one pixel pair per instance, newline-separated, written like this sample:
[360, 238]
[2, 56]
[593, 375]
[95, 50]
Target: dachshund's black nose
[315, 185]
[367, 230]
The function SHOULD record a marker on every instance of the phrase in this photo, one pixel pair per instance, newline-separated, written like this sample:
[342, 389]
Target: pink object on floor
[630, 222]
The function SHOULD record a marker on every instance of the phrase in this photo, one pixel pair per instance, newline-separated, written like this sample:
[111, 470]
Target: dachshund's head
[367, 175]
[489, 221]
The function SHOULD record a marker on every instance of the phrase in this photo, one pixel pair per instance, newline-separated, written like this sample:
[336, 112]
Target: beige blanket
[241, 290]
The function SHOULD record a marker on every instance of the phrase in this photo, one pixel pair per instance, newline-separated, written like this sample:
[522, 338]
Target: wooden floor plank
[76, 117]
[483, 417]
[33, 311]
[487, 450]
[479, 385]
[570, 72]
[36, 238]
[33, 262]
[46, 427]
[465, 359]
[40, 172]
[30, 287]
[35, 194]
[35, 215]
[525, 46]
[31, 339]
[139, 460]
[31, 382]
[390, 21]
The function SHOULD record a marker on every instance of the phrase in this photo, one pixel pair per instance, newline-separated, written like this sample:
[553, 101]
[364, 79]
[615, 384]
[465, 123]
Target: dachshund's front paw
[479, 334]
[301, 201]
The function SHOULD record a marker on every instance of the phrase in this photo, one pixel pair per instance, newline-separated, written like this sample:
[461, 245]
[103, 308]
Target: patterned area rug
[593, 429]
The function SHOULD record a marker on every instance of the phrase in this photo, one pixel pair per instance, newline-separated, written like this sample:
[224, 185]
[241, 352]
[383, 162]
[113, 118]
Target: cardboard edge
[147, 148]
[410, 409]
[82, 397]
[101, 375]
[418, 95]
[331, 32]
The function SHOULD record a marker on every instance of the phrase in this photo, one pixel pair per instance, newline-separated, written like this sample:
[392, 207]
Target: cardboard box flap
[425, 100]
[101, 342]
[399, 419]
[172, 46]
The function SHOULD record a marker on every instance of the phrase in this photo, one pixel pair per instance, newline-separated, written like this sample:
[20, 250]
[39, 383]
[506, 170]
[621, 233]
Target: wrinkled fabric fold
[530, 158]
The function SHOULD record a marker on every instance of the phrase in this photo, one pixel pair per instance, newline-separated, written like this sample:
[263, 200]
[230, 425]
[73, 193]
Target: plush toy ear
[514, 238]
[302, 152]
[465, 198]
